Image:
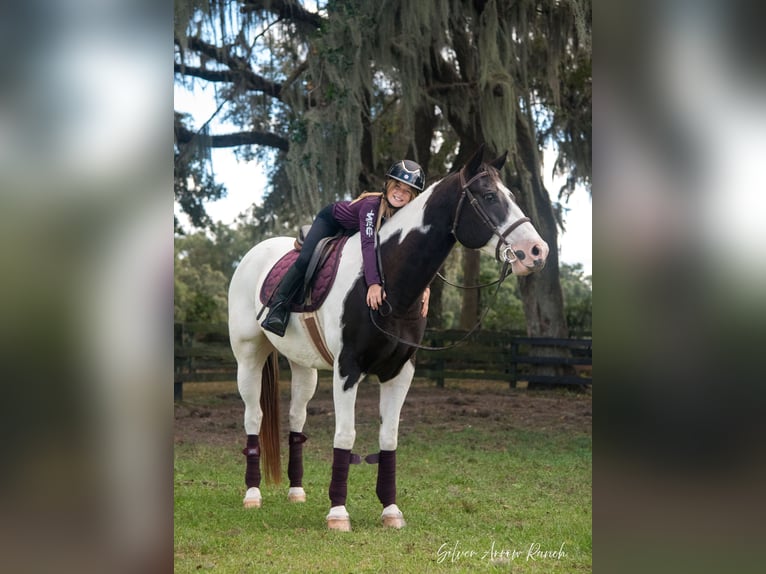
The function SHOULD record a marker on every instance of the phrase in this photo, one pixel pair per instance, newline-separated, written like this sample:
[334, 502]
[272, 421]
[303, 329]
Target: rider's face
[399, 194]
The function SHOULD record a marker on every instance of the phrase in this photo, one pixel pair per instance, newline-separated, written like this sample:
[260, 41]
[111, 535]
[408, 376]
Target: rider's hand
[426, 298]
[375, 296]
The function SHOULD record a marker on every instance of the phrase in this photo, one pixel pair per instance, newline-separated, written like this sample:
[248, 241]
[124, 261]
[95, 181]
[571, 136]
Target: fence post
[512, 364]
[440, 376]
[437, 340]
[178, 341]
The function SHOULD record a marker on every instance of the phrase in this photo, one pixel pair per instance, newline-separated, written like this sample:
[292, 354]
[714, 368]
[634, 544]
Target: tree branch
[239, 69]
[209, 75]
[246, 78]
[286, 9]
[185, 136]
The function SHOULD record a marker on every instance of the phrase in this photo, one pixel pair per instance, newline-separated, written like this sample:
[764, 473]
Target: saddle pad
[320, 285]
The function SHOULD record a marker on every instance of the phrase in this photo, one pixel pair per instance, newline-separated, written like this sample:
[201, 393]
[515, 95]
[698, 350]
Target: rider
[404, 180]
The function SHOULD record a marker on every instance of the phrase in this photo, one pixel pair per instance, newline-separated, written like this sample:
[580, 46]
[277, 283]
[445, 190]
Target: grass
[474, 499]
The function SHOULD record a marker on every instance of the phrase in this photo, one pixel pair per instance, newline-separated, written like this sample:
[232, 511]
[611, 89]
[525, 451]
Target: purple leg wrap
[341, 459]
[253, 454]
[386, 488]
[295, 466]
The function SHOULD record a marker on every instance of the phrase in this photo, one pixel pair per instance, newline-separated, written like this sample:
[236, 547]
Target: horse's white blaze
[523, 237]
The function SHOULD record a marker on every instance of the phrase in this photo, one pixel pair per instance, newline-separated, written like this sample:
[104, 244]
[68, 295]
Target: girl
[405, 179]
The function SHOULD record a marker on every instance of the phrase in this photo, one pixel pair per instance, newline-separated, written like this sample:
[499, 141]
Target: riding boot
[279, 306]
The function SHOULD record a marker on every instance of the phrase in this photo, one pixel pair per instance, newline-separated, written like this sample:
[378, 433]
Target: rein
[503, 274]
[445, 280]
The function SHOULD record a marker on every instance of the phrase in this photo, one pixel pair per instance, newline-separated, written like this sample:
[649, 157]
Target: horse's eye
[490, 197]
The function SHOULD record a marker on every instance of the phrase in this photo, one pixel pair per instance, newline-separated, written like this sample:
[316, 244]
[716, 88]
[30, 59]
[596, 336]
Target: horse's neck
[414, 245]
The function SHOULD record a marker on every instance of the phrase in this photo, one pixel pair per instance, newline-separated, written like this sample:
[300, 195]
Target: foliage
[199, 293]
[193, 183]
[344, 90]
[206, 260]
[203, 267]
[578, 297]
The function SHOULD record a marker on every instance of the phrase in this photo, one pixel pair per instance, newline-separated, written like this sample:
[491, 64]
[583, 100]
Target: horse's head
[487, 210]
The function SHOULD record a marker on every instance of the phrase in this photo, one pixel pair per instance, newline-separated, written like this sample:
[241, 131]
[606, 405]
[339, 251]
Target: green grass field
[477, 494]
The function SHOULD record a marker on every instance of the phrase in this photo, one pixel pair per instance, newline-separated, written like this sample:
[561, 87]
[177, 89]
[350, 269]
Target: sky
[245, 181]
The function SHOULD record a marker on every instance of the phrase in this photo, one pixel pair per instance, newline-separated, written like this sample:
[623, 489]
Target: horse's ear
[472, 166]
[499, 162]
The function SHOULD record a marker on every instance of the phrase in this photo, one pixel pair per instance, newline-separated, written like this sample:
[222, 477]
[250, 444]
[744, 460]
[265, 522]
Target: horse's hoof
[392, 517]
[296, 494]
[340, 524]
[394, 522]
[338, 519]
[252, 498]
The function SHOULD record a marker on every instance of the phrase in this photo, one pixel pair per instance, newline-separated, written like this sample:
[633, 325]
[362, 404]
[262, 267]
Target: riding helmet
[408, 172]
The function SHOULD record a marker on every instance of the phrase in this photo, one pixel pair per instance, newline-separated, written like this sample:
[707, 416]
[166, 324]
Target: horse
[471, 206]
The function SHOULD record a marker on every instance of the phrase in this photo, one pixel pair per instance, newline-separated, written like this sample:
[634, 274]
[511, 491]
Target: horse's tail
[269, 440]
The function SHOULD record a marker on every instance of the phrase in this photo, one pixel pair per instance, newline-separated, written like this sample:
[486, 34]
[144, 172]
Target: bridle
[509, 256]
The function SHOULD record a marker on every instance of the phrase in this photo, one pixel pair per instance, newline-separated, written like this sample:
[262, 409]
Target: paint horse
[471, 206]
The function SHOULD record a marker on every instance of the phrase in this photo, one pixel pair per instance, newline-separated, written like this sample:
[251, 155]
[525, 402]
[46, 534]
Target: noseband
[508, 254]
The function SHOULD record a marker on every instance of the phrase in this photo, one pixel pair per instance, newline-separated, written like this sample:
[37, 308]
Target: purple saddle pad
[320, 285]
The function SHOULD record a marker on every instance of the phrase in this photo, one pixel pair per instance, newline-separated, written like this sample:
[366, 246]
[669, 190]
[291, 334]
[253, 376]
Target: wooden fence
[202, 354]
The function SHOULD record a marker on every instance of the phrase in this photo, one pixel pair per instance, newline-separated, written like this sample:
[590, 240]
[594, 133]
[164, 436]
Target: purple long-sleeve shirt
[361, 216]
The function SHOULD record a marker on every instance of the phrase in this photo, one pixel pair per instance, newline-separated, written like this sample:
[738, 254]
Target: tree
[578, 296]
[199, 292]
[193, 184]
[341, 92]
[204, 264]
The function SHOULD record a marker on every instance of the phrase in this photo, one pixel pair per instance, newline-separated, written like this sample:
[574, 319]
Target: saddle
[320, 274]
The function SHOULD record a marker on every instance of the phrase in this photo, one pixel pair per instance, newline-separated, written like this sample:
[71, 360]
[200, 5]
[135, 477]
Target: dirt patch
[211, 413]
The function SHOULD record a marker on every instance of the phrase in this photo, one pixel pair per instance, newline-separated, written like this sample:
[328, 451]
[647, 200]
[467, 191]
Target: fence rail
[203, 354]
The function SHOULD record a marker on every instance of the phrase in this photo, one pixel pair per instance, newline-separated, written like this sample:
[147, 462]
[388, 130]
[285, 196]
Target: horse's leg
[251, 356]
[392, 395]
[304, 384]
[345, 434]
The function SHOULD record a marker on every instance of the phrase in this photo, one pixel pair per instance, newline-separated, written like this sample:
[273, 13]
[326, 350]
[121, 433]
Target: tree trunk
[540, 292]
[425, 124]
